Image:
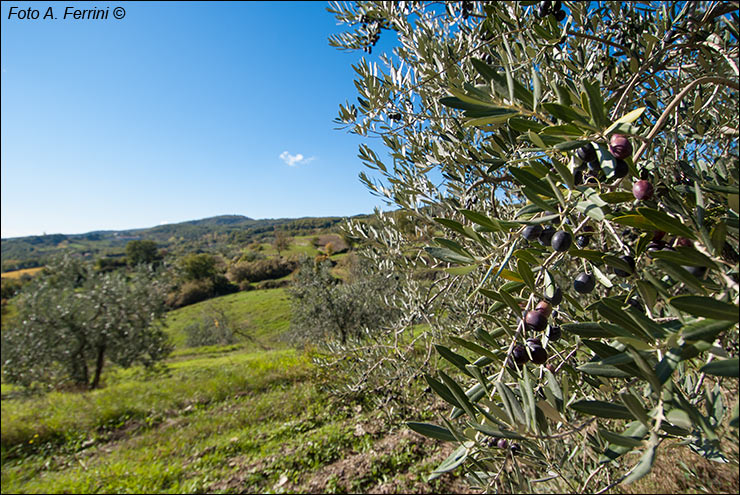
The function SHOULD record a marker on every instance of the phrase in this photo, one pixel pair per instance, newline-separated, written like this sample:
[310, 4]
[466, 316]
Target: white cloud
[297, 159]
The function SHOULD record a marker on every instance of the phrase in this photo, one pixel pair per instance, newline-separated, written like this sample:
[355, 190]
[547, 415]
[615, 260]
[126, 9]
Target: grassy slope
[298, 245]
[265, 314]
[236, 421]
[230, 418]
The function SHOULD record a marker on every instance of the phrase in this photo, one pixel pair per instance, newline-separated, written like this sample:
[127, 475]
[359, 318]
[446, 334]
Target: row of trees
[573, 167]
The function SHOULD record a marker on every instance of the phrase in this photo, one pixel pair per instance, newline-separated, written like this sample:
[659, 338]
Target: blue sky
[176, 112]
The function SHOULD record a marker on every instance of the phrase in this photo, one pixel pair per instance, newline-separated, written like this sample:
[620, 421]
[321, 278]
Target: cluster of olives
[584, 283]
[559, 240]
[372, 27]
[536, 321]
[467, 9]
[548, 7]
[502, 443]
[620, 149]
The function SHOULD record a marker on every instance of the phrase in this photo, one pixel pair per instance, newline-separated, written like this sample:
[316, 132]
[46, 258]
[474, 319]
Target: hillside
[248, 417]
[211, 234]
[243, 419]
[254, 422]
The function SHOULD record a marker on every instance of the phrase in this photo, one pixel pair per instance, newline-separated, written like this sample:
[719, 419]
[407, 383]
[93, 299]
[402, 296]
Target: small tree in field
[72, 320]
[573, 169]
[329, 248]
[214, 328]
[281, 241]
[327, 307]
[200, 266]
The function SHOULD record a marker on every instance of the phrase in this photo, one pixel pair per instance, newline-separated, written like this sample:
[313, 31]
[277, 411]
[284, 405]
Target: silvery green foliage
[480, 108]
[376, 311]
[72, 320]
[329, 308]
[214, 328]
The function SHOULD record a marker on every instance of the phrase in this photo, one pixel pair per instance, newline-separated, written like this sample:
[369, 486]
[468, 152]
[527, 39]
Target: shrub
[199, 267]
[193, 292]
[273, 284]
[338, 244]
[264, 269]
[214, 328]
[142, 251]
[249, 255]
[238, 272]
[107, 264]
[9, 287]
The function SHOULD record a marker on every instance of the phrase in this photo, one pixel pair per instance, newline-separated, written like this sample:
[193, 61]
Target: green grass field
[264, 314]
[298, 245]
[218, 422]
[217, 419]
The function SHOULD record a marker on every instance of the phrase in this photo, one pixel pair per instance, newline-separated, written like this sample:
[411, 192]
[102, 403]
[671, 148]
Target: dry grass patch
[19, 273]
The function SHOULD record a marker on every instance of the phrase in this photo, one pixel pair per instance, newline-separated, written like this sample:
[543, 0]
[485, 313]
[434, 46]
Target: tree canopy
[72, 320]
[142, 251]
[573, 168]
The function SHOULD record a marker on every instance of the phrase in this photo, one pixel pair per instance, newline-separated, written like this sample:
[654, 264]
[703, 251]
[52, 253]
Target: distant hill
[211, 234]
[221, 220]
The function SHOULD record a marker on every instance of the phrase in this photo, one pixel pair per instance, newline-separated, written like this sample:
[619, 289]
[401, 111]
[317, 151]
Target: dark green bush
[9, 287]
[193, 292]
[264, 269]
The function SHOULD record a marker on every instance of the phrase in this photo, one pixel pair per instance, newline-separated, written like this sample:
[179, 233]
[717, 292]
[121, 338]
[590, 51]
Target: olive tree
[573, 167]
[328, 308]
[72, 320]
